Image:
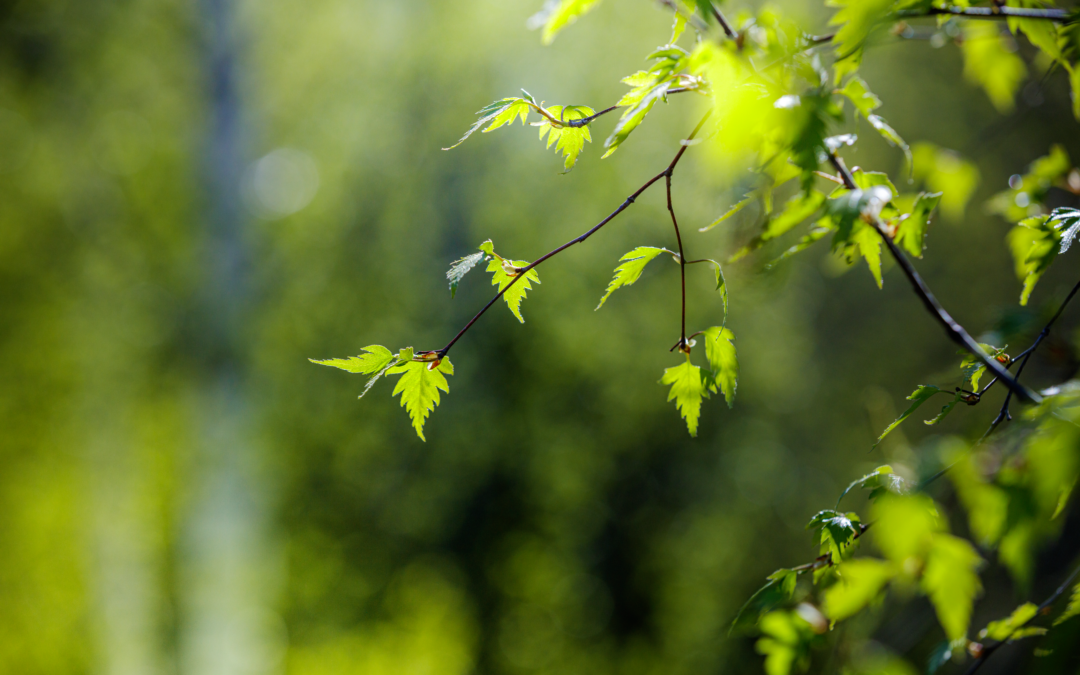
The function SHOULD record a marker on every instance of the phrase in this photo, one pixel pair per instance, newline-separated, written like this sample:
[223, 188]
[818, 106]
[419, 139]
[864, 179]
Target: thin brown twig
[577, 240]
[682, 256]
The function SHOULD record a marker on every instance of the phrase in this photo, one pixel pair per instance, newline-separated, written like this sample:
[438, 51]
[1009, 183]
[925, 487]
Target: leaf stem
[577, 240]
[954, 330]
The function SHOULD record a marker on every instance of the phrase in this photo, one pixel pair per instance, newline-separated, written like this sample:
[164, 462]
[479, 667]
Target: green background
[197, 197]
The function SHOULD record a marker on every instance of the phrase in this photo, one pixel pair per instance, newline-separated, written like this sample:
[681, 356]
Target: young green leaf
[946, 172]
[460, 268]
[1006, 629]
[776, 593]
[858, 583]
[419, 388]
[856, 19]
[991, 64]
[951, 581]
[723, 361]
[630, 271]
[921, 395]
[1073, 608]
[879, 481]
[634, 116]
[689, 386]
[375, 362]
[797, 209]
[867, 242]
[890, 135]
[824, 226]
[973, 368]
[557, 14]
[504, 272]
[837, 530]
[738, 206]
[911, 231]
[569, 140]
[864, 100]
[946, 409]
[498, 113]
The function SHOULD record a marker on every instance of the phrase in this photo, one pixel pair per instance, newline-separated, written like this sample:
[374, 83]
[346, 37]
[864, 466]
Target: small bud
[975, 649]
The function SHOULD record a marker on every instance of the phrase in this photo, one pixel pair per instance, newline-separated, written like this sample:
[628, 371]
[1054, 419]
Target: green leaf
[879, 481]
[946, 172]
[858, 583]
[460, 268]
[921, 395]
[890, 135]
[569, 140]
[557, 14]
[786, 642]
[1042, 34]
[837, 530]
[375, 362]
[847, 207]
[497, 114]
[989, 63]
[689, 386]
[911, 231]
[904, 527]
[1074, 82]
[739, 206]
[419, 388]
[856, 19]
[633, 264]
[1073, 608]
[951, 581]
[1025, 199]
[723, 361]
[821, 228]
[864, 100]
[777, 592]
[973, 368]
[946, 409]
[797, 209]
[1034, 243]
[505, 271]
[634, 116]
[1006, 628]
[867, 242]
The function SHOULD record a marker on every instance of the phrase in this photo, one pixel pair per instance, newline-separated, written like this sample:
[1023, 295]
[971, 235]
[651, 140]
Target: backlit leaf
[504, 272]
[689, 386]
[419, 388]
[567, 139]
[890, 135]
[858, 583]
[723, 361]
[633, 263]
[911, 232]
[864, 100]
[460, 268]
[776, 593]
[951, 581]
[374, 363]
[557, 14]
[1006, 628]
[989, 63]
[921, 395]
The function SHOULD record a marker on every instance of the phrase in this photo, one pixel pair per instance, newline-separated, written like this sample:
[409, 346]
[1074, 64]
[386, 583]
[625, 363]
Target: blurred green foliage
[184, 492]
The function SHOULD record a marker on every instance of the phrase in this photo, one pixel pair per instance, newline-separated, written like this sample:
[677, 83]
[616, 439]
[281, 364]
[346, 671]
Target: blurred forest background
[198, 196]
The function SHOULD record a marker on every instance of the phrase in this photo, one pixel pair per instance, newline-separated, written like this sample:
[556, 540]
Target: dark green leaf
[774, 594]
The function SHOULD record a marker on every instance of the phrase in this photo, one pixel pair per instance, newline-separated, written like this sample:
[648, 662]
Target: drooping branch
[577, 240]
[953, 329]
[682, 255]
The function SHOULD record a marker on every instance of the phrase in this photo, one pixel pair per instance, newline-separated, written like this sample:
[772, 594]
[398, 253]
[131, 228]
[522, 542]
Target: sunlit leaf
[797, 209]
[837, 531]
[1006, 628]
[911, 232]
[689, 386]
[419, 388]
[989, 63]
[567, 139]
[1073, 608]
[723, 361]
[374, 363]
[776, 593]
[951, 581]
[738, 206]
[858, 583]
[460, 268]
[864, 100]
[890, 135]
[945, 172]
[504, 272]
[557, 14]
[879, 481]
[921, 395]
[633, 264]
